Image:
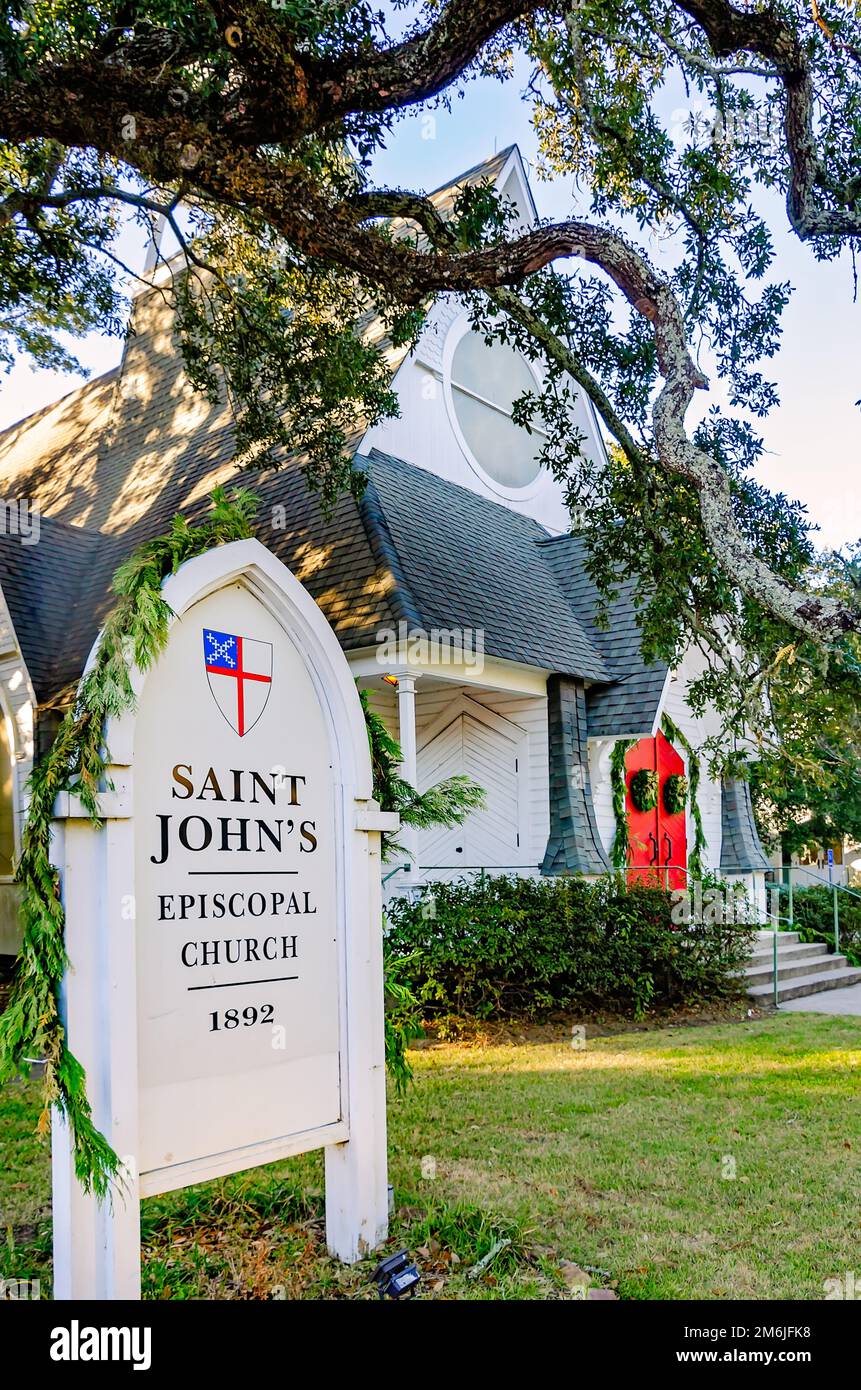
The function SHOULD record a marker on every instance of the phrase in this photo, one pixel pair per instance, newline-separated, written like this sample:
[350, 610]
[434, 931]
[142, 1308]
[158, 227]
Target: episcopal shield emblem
[239, 671]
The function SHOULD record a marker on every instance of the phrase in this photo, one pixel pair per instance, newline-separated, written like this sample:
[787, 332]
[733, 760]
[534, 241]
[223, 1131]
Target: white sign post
[225, 993]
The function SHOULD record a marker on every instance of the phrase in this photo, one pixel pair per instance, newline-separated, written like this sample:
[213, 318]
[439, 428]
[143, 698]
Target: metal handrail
[401, 869]
[836, 890]
[475, 868]
[653, 868]
[819, 878]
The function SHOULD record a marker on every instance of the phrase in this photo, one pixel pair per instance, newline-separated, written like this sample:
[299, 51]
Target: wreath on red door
[675, 793]
[644, 789]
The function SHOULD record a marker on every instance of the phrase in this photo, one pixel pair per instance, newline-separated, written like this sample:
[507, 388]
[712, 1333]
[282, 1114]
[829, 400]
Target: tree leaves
[292, 296]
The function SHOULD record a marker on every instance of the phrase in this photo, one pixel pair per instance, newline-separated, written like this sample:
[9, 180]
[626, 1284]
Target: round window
[485, 383]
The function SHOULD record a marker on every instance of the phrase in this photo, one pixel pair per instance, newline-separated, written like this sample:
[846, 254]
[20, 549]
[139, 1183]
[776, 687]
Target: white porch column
[409, 762]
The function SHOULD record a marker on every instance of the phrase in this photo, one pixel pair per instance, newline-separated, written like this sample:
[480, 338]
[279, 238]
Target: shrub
[525, 946]
[813, 914]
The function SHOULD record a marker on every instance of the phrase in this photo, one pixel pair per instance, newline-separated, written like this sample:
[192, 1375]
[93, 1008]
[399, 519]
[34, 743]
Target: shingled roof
[415, 547]
[464, 561]
[41, 585]
[628, 706]
[59, 592]
[109, 465]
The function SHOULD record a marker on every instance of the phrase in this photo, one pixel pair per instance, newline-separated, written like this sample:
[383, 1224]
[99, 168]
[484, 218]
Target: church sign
[224, 923]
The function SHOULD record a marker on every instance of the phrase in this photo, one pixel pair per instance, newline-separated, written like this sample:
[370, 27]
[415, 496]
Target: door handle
[669, 849]
[655, 850]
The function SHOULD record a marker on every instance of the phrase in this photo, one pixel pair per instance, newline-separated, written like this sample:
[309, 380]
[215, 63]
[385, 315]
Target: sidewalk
[829, 1001]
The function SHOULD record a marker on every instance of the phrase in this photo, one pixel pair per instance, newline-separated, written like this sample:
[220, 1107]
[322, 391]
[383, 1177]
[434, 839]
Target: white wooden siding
[477, 743]
[423, 435]
[16, 707]
[602, 792]
[525, 712]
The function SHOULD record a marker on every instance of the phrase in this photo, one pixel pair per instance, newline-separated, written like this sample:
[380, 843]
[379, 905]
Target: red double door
[658, 841]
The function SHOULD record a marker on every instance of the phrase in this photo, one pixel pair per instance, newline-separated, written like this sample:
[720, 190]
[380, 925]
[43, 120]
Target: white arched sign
[224, 924]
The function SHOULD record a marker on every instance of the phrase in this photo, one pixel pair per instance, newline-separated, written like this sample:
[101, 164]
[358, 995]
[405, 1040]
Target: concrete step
[784, 938]
[807, 984]
[763, 974]
[805, 950]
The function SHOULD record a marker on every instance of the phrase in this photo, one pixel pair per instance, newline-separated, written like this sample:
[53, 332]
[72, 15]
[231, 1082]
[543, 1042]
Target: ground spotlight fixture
[396, 1276]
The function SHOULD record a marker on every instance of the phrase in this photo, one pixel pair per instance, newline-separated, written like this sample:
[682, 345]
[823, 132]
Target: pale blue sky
[813, 438]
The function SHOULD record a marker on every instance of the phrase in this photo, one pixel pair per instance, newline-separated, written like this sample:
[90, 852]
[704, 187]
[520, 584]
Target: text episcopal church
[455, 587]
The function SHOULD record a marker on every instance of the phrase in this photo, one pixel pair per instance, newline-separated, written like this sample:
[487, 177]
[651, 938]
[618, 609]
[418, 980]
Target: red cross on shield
[239, 672]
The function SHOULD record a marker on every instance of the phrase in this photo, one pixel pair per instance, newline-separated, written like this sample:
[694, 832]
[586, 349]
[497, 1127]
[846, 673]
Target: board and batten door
[470, 741]
[657, 839]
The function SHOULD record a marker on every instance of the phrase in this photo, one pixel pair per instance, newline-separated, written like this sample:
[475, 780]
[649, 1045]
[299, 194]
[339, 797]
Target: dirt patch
[559, 1027]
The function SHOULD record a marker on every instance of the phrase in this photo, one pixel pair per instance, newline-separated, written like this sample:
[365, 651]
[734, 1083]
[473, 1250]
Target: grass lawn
[691, 1162]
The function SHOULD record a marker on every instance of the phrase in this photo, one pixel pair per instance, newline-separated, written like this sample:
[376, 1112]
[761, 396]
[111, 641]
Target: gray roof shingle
[59, 592]
[741, 849]
[415, 547]
[629, 704]
[464, 561]
[43, 587]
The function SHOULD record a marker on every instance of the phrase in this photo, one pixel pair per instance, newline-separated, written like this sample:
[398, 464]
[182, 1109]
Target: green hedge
[813, 913]
[520, 946]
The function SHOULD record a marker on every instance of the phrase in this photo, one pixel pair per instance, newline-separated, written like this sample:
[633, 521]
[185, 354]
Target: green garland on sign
[619, 852]
[134, 635]
[675, 735]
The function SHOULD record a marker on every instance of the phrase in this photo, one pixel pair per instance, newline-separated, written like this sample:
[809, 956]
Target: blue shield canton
[220, 649]
[239, 672]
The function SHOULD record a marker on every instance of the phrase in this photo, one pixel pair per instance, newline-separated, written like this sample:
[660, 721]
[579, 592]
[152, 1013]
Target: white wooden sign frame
[97, 1245]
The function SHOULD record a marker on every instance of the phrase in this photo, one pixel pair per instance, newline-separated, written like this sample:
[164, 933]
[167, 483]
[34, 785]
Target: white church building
[455, 586]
